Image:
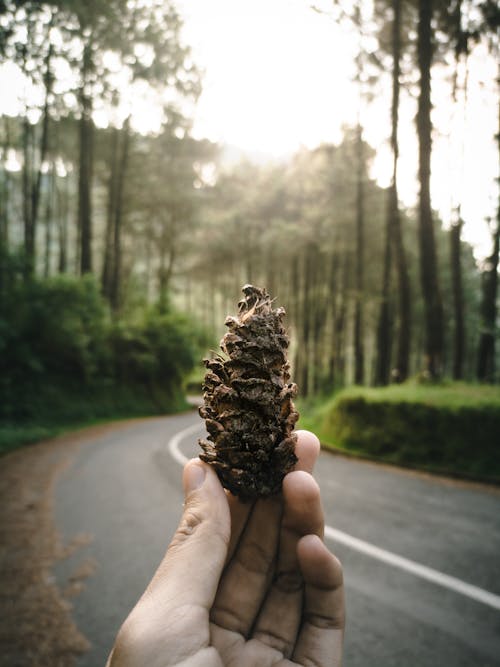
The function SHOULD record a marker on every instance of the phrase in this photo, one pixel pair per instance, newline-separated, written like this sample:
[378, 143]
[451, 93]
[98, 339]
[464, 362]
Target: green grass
[445, 394]
[450, 428]
[57, 411]
[15, 436]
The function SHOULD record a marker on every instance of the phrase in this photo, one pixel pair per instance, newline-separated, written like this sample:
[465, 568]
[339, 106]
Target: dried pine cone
[248, 405]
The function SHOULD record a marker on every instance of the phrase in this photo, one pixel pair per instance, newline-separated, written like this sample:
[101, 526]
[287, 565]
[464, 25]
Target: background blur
[168, 154]
[155, 156]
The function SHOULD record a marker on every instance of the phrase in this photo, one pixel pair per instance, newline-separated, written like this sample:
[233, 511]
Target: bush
[52, 332]
[63, 359]
[157, 353]
[453, 428]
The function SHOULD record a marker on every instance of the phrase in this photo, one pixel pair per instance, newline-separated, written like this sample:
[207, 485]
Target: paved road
[124, 490]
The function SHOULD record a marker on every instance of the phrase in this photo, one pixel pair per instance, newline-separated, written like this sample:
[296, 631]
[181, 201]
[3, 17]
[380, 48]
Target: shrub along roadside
[451, 428]
[64, 361]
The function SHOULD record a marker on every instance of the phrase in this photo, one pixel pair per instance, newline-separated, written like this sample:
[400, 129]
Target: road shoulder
[37, 627]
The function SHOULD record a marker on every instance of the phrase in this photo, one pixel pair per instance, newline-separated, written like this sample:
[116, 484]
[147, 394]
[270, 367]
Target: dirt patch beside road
[37, 629]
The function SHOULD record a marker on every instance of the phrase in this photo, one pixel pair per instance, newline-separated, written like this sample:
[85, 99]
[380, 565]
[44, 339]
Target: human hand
[242, 585]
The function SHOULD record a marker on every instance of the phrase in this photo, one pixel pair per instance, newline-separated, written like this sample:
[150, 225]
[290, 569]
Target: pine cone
[248, 406]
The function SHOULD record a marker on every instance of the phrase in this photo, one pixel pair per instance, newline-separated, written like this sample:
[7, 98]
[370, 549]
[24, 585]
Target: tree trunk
[27, 171]
[49, 212]
[149, 260]
[338, 301]
[4, 213]
[107, 267]
[63, 199]
[383, 351]
[340, 324]
[4, 198]
[458, 301]
[44, 141]
[167, 260]
[456, 228]
[333, 289]
[486, 352]
[118, 220]
[382, 372]
[359, 365]
[270, 273]
[85, 166]
[29, 232]
[402, 366]
[296, 316]
[428, 258]
[318, 320]
[305, 323]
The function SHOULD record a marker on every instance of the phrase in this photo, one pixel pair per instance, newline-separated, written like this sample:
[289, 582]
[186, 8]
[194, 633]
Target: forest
[122, 251]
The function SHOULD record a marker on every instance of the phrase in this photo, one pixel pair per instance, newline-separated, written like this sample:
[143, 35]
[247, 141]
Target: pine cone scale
[248, 405]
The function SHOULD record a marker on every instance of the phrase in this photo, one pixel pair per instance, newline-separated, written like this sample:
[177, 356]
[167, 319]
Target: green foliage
[63, 360]
[159, 350]
[449, 428]
[51, 331]
[12, 437]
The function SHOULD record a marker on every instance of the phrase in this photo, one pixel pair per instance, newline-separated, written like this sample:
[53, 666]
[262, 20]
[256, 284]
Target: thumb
[190, 572]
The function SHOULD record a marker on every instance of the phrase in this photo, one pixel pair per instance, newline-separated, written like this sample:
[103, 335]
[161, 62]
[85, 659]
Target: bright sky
[278, 76]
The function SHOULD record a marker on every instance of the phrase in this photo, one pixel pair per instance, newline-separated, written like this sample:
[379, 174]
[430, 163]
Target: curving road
[420, 554]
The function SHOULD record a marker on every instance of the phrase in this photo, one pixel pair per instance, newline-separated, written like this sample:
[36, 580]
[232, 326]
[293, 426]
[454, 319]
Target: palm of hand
[278, 601]
[260, 617]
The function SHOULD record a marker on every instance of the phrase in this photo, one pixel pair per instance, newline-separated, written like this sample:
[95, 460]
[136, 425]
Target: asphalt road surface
[421, 555]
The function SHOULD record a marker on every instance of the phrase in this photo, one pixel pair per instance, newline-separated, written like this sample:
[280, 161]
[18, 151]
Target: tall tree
[433, 307]
[359, 356]
[486, 351]
[162, 203]
[156, 57]
[112, 264]
[404, 290]
[145, 36]
[5, 184]
[86, 150]
[33, 50]
[382, 369]
[461, 48]
[489, 308]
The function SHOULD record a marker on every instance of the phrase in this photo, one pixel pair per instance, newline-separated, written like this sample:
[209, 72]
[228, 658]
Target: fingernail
[194, 477]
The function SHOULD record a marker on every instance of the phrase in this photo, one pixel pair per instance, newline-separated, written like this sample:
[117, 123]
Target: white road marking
[173, 443]
[422, 571]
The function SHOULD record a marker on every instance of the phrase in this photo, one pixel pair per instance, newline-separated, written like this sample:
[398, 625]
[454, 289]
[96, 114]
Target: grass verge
[57, 412]
[450, 429]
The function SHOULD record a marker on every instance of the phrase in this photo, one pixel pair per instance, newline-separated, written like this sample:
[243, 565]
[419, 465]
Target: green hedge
[65, 360]
[455, 428]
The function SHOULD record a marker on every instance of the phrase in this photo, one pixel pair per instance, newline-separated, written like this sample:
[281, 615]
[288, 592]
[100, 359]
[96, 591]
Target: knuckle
[275, 641]
[326, 622]
[289, 581]
[198, 518]
[191, 520]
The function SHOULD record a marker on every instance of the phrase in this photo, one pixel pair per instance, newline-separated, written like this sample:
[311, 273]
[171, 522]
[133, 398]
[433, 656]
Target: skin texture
[242, 585]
